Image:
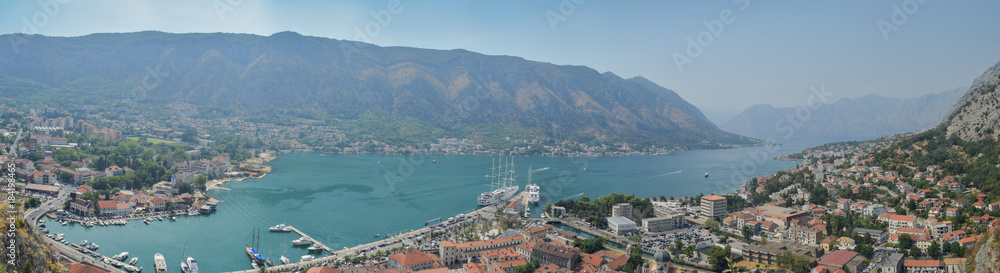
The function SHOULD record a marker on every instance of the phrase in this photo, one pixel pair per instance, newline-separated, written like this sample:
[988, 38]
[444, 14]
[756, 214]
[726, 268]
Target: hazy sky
[764, 52]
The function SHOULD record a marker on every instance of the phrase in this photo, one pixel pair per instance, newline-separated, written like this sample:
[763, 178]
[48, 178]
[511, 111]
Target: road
[32, 216]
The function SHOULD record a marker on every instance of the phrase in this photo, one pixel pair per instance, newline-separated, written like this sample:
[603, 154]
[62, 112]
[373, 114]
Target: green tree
[717, 257]
[747, 233]
[634, 261]
[905, 241]
[934, 250]
[199, 182]
[793, 262]
[589, 245]
[190, 135]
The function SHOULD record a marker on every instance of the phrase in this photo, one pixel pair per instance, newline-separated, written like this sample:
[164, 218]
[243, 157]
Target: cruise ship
[533, 189]
[161, 264]
[502, 183]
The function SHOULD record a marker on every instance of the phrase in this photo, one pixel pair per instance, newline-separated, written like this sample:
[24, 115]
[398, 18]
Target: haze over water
[342, 200]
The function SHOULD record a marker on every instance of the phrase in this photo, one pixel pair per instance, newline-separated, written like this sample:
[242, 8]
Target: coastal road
[32, 216]
[484, 212]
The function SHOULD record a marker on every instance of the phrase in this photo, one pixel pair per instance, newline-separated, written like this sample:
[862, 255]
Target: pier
[485, 212]
[317, 243]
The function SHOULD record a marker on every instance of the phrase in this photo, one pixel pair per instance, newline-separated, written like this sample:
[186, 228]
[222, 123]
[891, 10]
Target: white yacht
[280, 228]
[133, 260]
[284, 260]
[161, 263]
[190, 267]
[306, 258]
[314, 248]
[301, 241]
[533, 189]
[502, 183]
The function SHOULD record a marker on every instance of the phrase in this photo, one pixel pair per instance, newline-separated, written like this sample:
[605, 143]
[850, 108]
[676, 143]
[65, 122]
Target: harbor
[343, 209]
[346, 252]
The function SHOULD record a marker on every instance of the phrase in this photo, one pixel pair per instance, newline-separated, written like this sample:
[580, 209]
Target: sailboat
[191, 266]
[252, 251]
[502, 187]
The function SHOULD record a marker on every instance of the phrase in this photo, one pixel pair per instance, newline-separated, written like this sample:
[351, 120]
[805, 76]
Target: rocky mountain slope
[450, 90]
[866, 116]
[978, 115]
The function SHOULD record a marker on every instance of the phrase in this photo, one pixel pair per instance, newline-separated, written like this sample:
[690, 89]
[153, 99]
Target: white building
[621, 225]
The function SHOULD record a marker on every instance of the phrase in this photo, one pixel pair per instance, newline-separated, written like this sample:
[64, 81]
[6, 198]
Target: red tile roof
[839, 257]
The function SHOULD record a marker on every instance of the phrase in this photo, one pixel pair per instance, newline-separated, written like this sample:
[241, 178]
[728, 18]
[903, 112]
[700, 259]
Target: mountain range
[868, 116]
[443, 90]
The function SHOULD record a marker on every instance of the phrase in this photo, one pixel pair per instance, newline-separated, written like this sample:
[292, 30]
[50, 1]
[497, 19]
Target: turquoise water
[342, 200]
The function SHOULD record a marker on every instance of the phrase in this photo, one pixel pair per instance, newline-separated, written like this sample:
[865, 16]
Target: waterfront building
[82, 207]
[713, 207]
[664, 223]
[457, 253]
[622, 210]
[621, 225]
[414, 259]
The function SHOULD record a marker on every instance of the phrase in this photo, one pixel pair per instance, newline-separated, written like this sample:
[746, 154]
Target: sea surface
[343, 200]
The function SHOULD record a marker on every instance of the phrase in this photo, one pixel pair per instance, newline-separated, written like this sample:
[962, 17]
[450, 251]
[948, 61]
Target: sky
[721, 56]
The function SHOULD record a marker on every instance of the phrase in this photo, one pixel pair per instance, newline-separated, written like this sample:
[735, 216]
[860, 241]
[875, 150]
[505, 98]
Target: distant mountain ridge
[867, 116]
[449, 90]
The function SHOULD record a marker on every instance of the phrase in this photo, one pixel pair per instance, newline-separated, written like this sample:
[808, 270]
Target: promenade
[485, 212]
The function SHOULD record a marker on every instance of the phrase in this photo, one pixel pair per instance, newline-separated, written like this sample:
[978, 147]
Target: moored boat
[160, 262]
[306, 258]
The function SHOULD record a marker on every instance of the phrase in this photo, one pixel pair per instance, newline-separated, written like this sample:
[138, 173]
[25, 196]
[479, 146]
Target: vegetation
[595, 212]
[634, 261]
[793, 262]
[589, 245]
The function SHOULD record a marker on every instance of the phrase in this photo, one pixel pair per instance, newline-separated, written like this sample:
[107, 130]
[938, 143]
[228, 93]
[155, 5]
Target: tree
[865, 250]
[717, 257]
[589, 245]
[689, 250]
[190, 135]
[747, 233]
[713, 225]
[32, 202]
[634, 261]
[183, 188]
[199, 182]
[793, 262]
[934, 250]
[905, 242]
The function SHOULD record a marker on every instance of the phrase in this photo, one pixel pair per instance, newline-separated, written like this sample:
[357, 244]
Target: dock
[485, 212]
[317, 243]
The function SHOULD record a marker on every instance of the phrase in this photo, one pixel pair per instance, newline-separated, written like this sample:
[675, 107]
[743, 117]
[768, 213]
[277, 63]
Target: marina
[301, 189]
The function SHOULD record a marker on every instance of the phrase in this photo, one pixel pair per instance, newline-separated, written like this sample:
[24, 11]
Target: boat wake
[575, 196]
[538, 170]
[666, 174]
